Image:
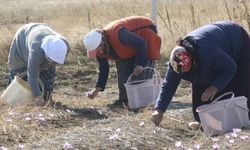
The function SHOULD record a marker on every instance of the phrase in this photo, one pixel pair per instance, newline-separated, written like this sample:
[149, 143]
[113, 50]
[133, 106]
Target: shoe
[134, 110]
[117, 103]
[194, 125]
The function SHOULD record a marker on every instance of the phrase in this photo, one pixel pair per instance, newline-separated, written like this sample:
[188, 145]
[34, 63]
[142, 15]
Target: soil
[76, 122]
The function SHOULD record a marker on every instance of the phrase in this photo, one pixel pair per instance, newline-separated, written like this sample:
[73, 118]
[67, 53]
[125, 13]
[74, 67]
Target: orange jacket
[139, 25]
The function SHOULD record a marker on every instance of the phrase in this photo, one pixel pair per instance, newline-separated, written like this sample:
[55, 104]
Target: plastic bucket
[222, 116]
[17, 93]
[143, 92]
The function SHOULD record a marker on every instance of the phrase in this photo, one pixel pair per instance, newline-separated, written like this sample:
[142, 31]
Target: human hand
[138, 70]
[39, 101]
[156, 117]
[209, 93]
[93, 93]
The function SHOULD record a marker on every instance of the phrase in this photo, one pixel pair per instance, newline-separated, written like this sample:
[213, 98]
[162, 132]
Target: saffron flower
[27, 118]
[234, 134]
[20, 146]
[236, 130]
[197, 146]
[215, 139]
[3, 148]
[7, 119]
[141, 124]
[216, 146]
[178, 143]
[67, 146]
[243, 137]
[114, 136]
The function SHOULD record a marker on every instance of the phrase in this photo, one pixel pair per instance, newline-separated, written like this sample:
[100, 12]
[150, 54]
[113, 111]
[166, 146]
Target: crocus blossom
[3, 148]
[178, 143]
[141, 124]
[236, 130]
[243, 137]
[67, 145]
[27, 118]
[216, 146]
[20, 146]
[7, 119]
[234, 134]
[197, 146]
[215, 139]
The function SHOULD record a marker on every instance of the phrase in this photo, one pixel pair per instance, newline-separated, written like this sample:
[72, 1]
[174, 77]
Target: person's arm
[33, 71]
[137, 42]
[103, 73]
[225, 68]
[102, 78]
[168, 89]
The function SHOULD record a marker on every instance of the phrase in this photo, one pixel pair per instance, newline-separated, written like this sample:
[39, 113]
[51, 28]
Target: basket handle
[156, 75]
[227, 93]
[21, 75]
[217, 99]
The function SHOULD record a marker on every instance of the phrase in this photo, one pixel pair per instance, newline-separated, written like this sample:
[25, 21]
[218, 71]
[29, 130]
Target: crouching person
[132, 42]
[215, 58]
[34, 53]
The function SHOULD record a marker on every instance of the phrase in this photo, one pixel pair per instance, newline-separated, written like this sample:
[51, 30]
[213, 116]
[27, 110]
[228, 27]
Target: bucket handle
[217, 100]
[21, 75]
[156, 75]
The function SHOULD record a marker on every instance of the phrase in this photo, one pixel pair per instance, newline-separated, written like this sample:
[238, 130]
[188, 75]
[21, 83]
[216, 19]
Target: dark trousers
[240, 84]
[47, 77]
[124, 70]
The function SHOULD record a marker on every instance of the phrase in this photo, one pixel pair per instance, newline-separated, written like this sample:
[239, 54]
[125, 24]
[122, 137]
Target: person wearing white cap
[34, 53]
[132, 42]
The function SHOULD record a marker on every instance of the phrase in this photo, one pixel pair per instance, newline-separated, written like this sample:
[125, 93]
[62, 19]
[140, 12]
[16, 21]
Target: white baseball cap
[91, 41]
[55, 48]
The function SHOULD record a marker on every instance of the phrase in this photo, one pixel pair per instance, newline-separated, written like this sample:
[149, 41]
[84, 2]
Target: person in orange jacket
[132, 42]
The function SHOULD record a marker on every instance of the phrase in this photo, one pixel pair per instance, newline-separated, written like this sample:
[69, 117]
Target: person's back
[35, 50]
[27, 38]
[219, 36]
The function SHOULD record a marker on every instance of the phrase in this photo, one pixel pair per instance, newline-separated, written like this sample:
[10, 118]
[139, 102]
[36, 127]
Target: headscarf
[180, 60]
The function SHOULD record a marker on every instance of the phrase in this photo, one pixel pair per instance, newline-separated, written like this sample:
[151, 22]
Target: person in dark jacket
[132, 42]
[34, 53]
[215, 58]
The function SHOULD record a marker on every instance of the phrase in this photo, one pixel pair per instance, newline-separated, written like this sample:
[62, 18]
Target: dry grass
[90, 124]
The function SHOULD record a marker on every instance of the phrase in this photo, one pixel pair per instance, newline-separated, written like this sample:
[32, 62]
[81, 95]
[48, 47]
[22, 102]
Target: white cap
[92, 40]
[55, 48]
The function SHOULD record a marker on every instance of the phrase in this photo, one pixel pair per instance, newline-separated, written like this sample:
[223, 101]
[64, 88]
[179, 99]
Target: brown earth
[93, 124]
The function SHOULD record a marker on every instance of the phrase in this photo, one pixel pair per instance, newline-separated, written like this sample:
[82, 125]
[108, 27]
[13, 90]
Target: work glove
[156, 117]
[138, 70]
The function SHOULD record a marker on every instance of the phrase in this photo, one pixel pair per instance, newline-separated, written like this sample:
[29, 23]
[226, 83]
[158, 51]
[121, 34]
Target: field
[81, 123]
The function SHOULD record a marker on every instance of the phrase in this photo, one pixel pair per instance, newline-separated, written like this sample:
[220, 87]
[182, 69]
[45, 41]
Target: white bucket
[143, 93]
[17, 93]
